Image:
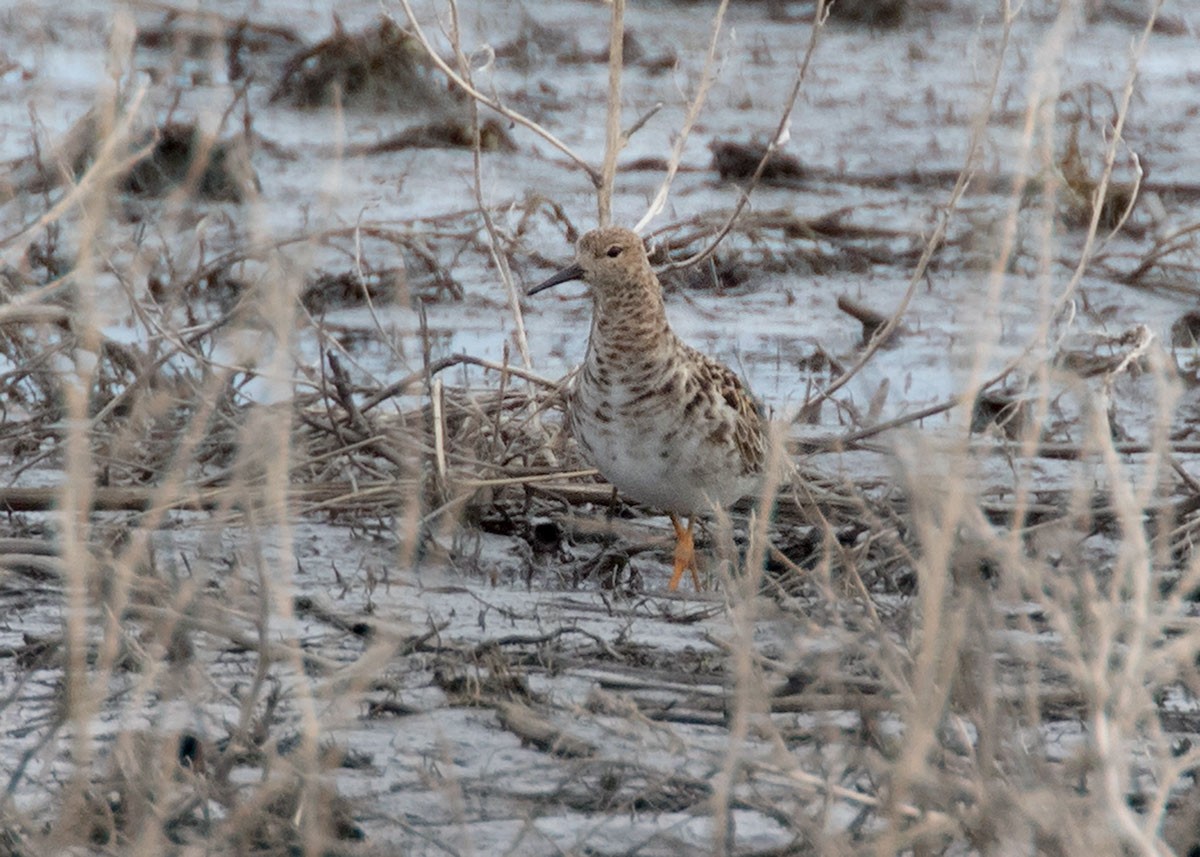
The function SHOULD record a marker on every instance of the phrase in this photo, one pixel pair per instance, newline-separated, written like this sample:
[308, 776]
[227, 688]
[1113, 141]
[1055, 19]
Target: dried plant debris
[872, 320]
[739, 161]
[185, 158]
[720, 272]
[1133, 13]
[350, 288]
[1075, 178]
[178, 156]
[66, 160]
[444, 134]
[633, 53]
[1092, 354]
[381, 68]
[1079, 197]
[663, 679]
[1002, 410]
[882, 14]
[1185, 332]
[164, 788]
[197, 39]
[1185, 347]
[771, 241]
[536, 43]
[283, 823]
[217, 283]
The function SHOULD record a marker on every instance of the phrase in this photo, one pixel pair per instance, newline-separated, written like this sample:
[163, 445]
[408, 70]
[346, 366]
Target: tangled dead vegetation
[446, 465]
[380, 68]
[266, 591]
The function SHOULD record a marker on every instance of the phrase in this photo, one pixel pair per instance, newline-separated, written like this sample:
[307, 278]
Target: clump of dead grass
[379, 68]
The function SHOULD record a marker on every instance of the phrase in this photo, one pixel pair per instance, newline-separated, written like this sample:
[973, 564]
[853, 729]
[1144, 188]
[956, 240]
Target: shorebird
[668, 426]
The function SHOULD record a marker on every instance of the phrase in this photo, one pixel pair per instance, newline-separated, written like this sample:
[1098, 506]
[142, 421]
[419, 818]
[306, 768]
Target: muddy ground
[296, 555]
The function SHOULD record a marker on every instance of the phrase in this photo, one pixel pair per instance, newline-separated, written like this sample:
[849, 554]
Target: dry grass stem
[300, 555]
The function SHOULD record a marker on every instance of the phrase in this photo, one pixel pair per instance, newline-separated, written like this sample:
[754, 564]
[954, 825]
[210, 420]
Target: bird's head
[610, 260]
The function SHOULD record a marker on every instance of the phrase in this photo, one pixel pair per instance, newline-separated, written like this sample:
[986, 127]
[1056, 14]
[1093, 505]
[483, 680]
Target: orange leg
[685, 554]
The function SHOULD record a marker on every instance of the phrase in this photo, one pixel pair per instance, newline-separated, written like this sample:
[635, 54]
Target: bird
[668, 426]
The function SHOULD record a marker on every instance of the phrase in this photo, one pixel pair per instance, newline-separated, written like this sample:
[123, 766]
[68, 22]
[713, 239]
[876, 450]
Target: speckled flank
[667, 425]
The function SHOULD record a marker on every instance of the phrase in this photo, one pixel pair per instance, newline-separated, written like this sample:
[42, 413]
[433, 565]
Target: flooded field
[297, 556]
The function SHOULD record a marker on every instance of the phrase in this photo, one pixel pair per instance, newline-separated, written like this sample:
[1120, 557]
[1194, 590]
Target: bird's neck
[631, 328]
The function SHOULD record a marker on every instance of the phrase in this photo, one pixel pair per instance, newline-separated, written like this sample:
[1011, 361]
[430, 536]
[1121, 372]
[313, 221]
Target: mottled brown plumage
[667, 425]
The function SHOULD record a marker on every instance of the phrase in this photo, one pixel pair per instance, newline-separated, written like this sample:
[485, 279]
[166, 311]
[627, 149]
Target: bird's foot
[685, 554]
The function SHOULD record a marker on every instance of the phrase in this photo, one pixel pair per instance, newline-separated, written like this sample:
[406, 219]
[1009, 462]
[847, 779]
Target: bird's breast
[657, 435]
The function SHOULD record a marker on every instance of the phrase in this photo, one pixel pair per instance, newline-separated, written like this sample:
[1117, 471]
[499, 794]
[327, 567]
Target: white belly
[686, 474]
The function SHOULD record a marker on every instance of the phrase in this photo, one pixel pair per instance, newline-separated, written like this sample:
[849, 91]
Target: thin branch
[109, 162]
[491, 103]
[1089, 245]
[499, 260]
[935, 240]
[1085, 255]
[613, 139]
[819, 18]
[707, 77]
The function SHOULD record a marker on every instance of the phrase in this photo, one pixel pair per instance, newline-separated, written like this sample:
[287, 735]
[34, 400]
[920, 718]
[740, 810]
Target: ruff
[667, 425]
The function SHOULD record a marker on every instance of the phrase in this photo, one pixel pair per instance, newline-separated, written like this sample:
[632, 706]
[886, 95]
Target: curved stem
[490, 103]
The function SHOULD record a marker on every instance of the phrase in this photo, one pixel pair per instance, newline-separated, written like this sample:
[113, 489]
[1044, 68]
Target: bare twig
[708, 76]
[613, 139]
[934, 242]
[491, 103]
[499, 258]
[820, 16]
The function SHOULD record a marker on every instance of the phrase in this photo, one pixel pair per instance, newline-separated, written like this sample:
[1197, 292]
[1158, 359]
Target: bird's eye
[614, 251]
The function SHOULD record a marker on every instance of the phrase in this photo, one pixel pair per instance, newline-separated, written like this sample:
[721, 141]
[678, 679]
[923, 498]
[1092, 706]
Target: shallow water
[882, 116]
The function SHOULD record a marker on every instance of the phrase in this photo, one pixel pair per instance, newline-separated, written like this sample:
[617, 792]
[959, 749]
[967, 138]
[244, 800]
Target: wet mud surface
[336, 543]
